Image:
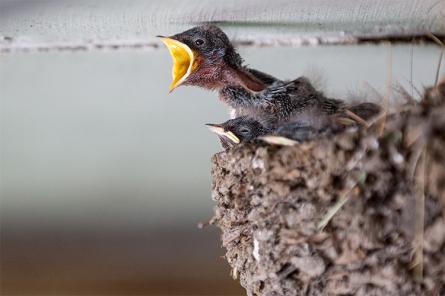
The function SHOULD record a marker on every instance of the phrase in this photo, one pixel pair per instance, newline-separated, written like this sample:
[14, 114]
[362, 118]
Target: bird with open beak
[203, 56]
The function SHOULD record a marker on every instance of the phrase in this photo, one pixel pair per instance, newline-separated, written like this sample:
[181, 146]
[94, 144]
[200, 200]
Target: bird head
[239, 130]
[203, 56]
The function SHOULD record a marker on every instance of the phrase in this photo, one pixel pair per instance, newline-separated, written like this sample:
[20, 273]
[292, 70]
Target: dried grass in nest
[361, 213]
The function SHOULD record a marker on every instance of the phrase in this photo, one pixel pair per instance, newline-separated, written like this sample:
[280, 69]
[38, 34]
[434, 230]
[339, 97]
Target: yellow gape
[183, 61]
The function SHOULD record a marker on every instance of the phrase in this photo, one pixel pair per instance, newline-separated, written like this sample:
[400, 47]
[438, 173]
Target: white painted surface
[94, 136]
[84, 24]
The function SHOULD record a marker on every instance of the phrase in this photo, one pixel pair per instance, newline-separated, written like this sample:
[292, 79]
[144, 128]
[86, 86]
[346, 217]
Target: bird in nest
[204, 56]
[245, 129]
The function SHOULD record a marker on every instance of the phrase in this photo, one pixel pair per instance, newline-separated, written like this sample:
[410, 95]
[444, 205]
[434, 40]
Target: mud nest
[361, 213]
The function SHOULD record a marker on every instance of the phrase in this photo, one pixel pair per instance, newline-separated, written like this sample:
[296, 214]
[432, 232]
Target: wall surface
[85, 24]
[95, 126]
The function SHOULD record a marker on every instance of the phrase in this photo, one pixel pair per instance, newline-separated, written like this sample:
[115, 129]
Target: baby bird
[203, 56]
[306, 127]
[245, 129]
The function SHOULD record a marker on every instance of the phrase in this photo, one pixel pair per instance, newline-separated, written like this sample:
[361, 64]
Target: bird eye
[244, 131]
[199, 42]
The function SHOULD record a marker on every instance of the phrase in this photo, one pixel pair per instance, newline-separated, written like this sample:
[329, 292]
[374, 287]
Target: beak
[183, 60]
[220, 131]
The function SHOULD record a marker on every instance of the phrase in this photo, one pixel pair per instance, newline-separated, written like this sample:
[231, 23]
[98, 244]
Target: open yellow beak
[219, 130]
[183, 61]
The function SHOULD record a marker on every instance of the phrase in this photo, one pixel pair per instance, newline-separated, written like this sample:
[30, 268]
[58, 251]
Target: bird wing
[298, 95]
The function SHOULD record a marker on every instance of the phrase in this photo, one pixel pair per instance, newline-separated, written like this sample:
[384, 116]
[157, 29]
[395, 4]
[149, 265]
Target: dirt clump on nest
[361, 213]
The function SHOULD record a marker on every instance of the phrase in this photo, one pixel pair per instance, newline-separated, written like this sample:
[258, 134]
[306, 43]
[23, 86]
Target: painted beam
[85, 24]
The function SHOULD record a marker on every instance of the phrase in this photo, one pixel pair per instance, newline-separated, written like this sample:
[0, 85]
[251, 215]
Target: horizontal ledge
[27, 25]
[10, 46]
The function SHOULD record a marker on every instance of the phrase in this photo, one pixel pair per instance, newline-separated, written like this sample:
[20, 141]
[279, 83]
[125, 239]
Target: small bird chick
[239, 130]
[245, 129]
[203, 56]
[303, 128]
